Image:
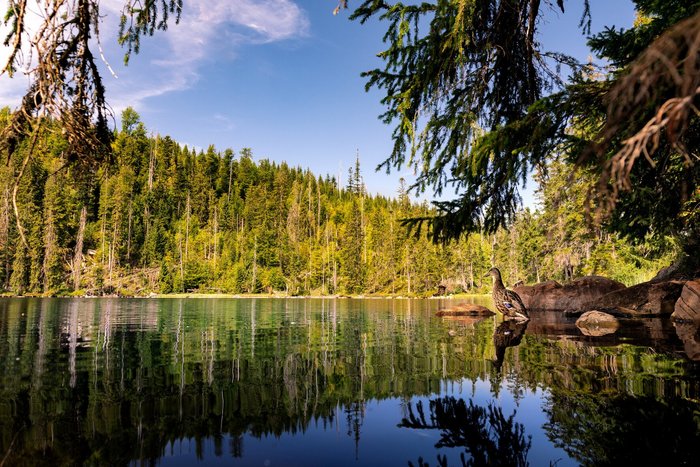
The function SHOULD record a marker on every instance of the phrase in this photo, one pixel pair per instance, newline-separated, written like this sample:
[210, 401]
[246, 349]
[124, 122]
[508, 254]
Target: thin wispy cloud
[209, 30]
[224, 122]
[12, 90]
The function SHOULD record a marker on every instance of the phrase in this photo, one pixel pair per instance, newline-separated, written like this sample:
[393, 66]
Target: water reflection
[508, 334]
[319, 381]
[689, 333]
[487, 436]
[602, 430]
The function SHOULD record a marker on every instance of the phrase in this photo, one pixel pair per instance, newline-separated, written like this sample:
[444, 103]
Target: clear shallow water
[334, 382]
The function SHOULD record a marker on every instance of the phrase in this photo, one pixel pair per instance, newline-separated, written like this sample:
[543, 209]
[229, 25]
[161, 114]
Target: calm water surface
[325, 382]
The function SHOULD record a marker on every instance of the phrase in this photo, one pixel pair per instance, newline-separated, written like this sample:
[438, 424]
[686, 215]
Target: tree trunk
[187, 227]
[50, 247]
[182, 267]
[335, 275]
[230, 176]
[128, 238]
[78, 255]
[103, 231]
[216, 232]
[5, 238]
[255, 264]
[152, 166]
[15, 188]
[408, 272]
[471, 275]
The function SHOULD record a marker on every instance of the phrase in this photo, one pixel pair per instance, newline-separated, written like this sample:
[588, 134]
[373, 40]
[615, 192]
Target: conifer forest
[159, 217]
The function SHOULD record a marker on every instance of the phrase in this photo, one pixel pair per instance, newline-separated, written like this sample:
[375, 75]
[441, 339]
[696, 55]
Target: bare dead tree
[58, 57]
[66, 85]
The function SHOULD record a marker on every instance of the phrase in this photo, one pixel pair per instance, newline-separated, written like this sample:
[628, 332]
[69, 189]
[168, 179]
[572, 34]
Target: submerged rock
[597, 323]
[687, 307]
[578, 294]
[465, 309]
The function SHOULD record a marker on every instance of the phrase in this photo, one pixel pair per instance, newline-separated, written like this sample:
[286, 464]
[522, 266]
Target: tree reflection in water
[120, 382]
[488, 436]
[600, 430]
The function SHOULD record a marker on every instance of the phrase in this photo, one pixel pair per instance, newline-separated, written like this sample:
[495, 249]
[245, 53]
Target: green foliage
[165, 279]
[470, 99]
[351, 253]
[451, 68]
[144, 18]
[162, 218]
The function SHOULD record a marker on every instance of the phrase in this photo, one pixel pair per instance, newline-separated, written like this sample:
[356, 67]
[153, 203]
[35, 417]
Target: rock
[578, 294]
[645, 299]
[667, 273]
[465, 309]
[687, 267]
[532, 295]
[687, 308]
[617, 312]
[689, 333]
[597, 323]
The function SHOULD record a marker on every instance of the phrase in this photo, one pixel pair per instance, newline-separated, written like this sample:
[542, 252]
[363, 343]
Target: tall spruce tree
[353, 240]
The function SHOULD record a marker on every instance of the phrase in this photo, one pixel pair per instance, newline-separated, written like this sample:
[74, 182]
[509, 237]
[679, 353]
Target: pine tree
[353, 240]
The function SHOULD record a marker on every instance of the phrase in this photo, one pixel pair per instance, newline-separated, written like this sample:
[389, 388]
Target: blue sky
[281, 77]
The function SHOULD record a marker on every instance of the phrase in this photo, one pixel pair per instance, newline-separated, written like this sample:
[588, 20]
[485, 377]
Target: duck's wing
[514, 302]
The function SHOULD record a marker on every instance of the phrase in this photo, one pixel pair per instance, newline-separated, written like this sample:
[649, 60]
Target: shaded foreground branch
[18, 178]
[665, 80]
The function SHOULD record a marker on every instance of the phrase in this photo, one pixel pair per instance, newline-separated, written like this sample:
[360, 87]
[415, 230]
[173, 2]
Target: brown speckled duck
[506, 301]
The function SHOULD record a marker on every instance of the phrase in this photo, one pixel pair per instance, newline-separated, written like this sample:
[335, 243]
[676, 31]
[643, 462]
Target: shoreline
[266, 296]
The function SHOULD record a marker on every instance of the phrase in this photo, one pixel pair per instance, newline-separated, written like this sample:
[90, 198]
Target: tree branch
[15, 187]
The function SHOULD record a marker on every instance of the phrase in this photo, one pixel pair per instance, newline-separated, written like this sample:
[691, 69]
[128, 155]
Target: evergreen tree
[352, 263]
[169, 225]
[455, 67]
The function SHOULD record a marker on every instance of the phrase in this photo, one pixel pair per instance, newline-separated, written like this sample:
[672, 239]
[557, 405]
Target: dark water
[334, 382]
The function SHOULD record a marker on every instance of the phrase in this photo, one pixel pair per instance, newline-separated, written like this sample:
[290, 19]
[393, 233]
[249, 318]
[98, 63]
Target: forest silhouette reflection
[487, 436]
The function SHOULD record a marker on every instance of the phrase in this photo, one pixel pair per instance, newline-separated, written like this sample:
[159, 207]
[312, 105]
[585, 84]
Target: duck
[507, 302]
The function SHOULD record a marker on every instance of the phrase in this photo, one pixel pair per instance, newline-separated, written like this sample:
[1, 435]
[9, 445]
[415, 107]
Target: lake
[335, 382]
